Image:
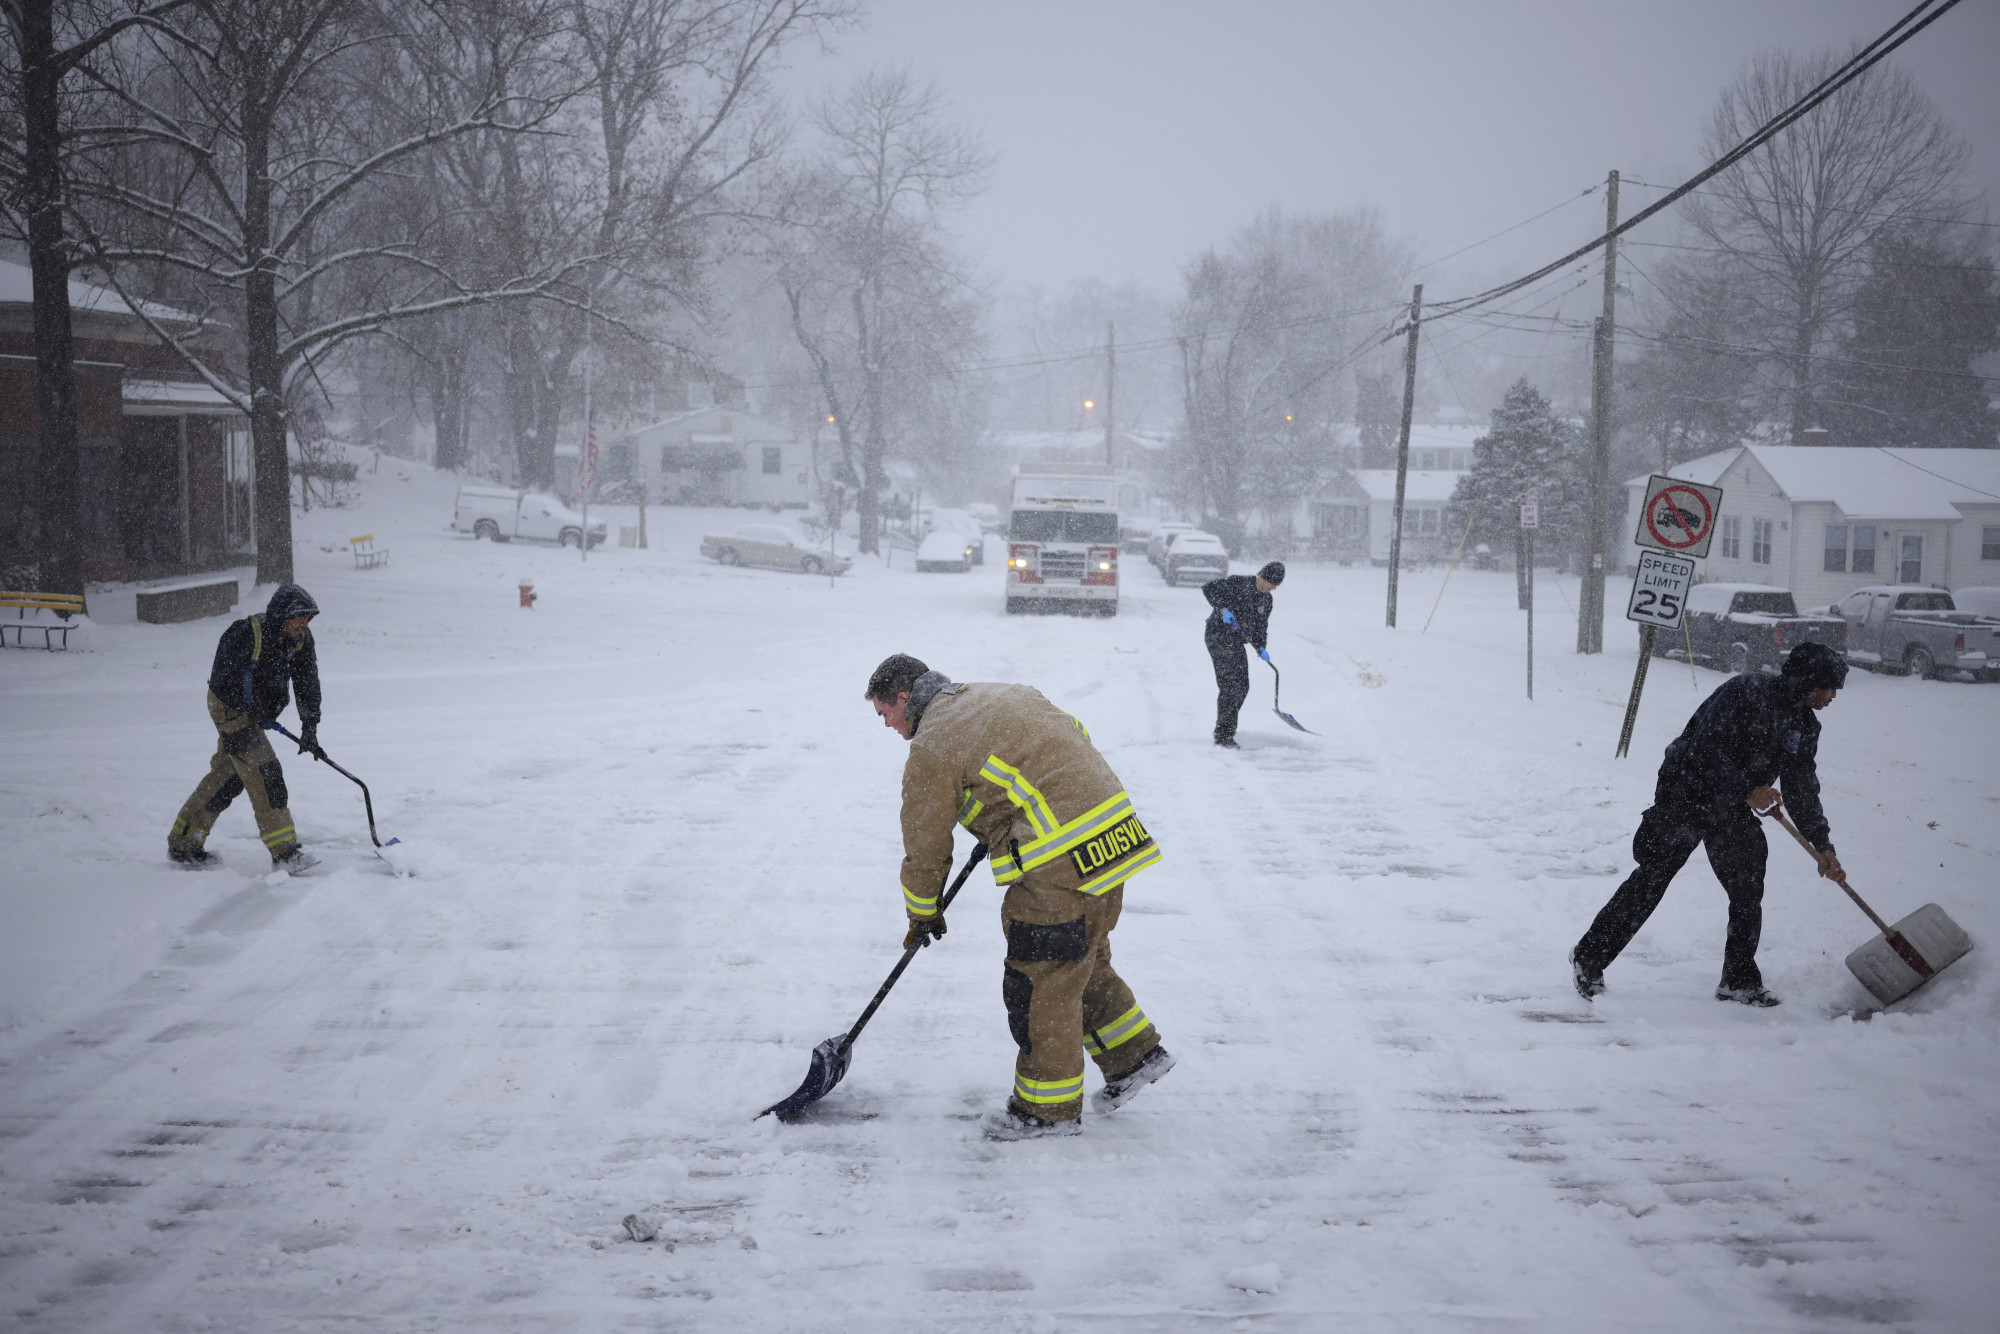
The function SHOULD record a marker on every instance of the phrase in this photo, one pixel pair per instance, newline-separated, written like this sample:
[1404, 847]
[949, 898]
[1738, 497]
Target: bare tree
[1799, 215]
[876, 299]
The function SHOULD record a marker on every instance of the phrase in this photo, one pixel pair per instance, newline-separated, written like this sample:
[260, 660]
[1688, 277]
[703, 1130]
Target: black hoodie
[256, 666]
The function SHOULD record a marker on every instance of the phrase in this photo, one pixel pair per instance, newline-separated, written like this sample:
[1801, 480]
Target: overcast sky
[1130, 135]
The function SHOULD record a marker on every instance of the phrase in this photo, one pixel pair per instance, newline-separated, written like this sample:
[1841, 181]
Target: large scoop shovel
[1904, 956]
[1275, 683]
[393, 852]
[829, 1058]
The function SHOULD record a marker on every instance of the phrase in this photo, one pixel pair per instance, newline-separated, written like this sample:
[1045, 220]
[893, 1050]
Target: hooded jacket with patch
[1024, 778]
[254, 656]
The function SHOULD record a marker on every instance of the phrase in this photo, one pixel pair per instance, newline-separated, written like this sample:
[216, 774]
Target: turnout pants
[243, 762]
[1667, 837]
[1064, 1000]
[1232, 682]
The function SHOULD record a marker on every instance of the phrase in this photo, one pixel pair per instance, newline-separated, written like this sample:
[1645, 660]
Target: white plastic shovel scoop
[1904, 956]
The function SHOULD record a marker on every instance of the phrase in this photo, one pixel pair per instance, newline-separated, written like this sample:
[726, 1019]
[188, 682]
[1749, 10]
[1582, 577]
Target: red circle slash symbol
[1688, 518]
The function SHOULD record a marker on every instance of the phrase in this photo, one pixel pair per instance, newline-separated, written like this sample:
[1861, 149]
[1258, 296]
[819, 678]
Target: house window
[1836, 548]
[1427, 460]
[1732, 538]
[1760, 541]
[774, 460]
[1864, 548]
[1989, 542]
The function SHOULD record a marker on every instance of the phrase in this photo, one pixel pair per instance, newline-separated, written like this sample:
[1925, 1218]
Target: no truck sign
[1678, 516]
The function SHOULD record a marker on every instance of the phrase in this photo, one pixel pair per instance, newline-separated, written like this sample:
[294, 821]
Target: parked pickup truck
[1919, 631]
[1747, 627]
[501, 515]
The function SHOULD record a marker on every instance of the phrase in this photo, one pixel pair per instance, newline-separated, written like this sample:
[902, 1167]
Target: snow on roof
[1867, 483]
[176, 393]
[1432, 486]
[17, 287]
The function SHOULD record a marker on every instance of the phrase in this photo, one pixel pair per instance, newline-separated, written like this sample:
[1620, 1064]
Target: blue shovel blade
[1294, 722]
[829, 1067]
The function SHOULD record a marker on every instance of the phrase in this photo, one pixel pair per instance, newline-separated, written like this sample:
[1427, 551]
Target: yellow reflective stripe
[1119, 1031]
[256, 638]
[1084, 827]
[969, 808]
[1044, 1091]
[1117, 875]
[277, 836]
[1080, 727]
[917, 904]
[1023, 793]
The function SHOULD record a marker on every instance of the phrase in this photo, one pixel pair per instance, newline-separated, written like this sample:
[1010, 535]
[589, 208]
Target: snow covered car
[1747, 627]
[1164, 533]
[962, 524]
[501, 514]
[1978, 601]
[1919, 632]
[772, 547]
[1195, 557]
[947, 552]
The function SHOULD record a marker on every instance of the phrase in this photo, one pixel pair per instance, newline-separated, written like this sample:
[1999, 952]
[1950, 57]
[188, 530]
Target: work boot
[194, 857]
[296, 862]
[1758, 996]
[1227, 743]
[1117, 1092]
[1011, 1123]
[1589, 984]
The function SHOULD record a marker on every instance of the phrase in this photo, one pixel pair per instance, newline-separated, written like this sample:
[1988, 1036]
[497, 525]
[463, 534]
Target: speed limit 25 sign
[1659, 590]
[1678, 516]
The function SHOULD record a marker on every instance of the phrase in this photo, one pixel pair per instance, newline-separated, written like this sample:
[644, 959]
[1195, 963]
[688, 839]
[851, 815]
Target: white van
[533, 516]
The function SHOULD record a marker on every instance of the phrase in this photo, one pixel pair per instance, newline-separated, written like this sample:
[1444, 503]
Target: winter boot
[1758, 996]
[1589, 985]
[296, 862]
[1117, 1092]
[194, 858]
[1011, 1123]
[1227, 743]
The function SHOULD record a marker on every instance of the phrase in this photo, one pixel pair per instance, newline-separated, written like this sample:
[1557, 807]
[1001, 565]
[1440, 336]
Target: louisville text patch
[1125, 837]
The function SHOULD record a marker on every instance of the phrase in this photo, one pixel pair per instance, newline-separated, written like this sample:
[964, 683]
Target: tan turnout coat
[1024, 778]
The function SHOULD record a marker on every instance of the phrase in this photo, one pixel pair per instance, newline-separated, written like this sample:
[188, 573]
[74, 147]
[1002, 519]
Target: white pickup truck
[1919, 632]
[502, 515]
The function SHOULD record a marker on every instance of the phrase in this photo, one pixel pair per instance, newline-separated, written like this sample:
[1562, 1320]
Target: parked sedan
[1195, 557]
[947, 552]
[772, 547]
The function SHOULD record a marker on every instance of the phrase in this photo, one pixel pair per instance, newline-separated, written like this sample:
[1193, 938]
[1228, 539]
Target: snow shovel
[1275, 682]
[1904, 956]
[829, 1058]
[392, 852]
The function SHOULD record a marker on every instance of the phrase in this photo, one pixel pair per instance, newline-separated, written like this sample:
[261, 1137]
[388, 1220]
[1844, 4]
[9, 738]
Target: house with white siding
[1824, 521]
[713, 456]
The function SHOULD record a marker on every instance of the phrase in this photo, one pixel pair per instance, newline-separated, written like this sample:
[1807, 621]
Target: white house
[1824, 521]
[1426, 498]
[714, 456]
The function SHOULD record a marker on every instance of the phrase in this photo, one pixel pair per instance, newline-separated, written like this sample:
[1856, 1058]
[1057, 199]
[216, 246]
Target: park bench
[366, 554]
[60, 606]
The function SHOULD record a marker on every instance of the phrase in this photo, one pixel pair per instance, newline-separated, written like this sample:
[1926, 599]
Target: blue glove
[1264, 654]
[1228, 617]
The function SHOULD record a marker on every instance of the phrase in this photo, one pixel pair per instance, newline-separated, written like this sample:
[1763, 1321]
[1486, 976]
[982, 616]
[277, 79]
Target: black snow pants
[1232, 682]
[1666, 839]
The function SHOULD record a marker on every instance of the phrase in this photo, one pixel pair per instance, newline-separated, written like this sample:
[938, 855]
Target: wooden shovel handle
[1778, 814]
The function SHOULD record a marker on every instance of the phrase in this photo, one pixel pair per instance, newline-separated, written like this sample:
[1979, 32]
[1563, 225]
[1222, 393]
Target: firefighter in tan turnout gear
[1024, 778]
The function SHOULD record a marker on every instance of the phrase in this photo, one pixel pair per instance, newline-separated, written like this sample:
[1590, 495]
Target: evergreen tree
[1529, 450]
[1903, 376]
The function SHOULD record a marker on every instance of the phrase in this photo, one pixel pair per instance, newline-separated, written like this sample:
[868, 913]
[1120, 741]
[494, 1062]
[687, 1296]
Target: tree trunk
[269, 458]
[57, 533]
[872, 477]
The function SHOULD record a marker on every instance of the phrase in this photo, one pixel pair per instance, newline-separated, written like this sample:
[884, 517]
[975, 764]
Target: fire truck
[1062, 539]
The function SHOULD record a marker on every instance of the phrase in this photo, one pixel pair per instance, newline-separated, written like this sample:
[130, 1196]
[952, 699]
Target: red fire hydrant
[527, 595]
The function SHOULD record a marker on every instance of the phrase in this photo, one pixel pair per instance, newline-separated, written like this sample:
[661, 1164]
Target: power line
[1940, 476]
[1831, 208]
[1885, 263]
[1926, 13]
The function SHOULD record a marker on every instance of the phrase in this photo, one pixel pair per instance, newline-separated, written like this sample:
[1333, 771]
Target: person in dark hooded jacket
[1751, 746]
[1242, 615]
[258, 662]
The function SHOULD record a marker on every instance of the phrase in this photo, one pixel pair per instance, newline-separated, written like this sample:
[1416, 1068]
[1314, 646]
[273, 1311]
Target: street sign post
[1678, 516]
[1676, 524]
[1531, 518]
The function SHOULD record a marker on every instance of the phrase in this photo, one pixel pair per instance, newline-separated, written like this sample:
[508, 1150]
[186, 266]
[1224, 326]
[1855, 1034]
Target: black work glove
[923, 930]
[309, 741]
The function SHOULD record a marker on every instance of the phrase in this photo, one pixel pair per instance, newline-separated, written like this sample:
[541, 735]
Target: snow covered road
[656, 833]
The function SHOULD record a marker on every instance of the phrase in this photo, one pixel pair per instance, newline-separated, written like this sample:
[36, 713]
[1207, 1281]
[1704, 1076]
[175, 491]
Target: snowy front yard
[656, 832]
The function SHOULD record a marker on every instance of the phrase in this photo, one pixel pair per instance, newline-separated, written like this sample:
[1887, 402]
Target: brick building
[163, 460]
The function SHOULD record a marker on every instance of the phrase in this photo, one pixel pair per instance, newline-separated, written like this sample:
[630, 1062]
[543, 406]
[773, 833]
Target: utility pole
[1590, 617]
[1110, 389]
[1403, 445]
